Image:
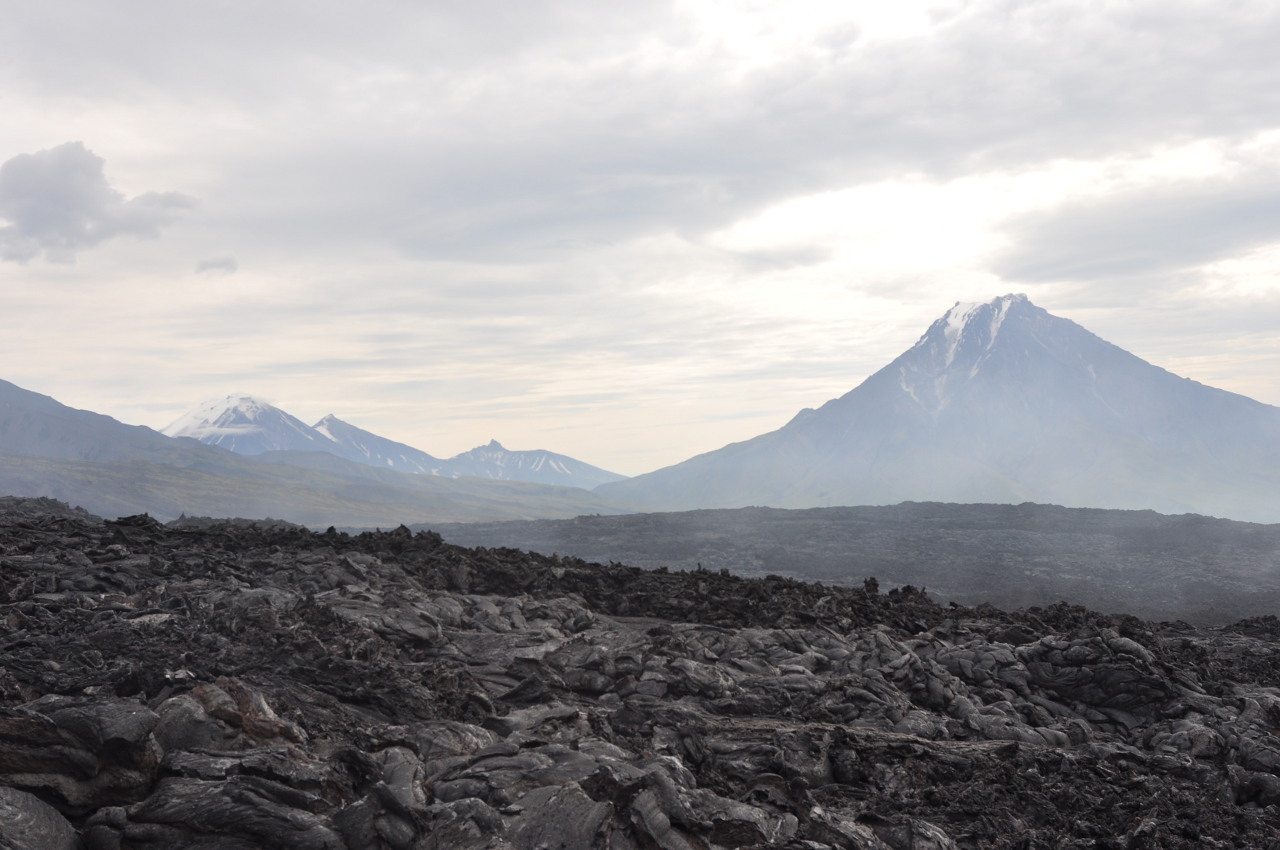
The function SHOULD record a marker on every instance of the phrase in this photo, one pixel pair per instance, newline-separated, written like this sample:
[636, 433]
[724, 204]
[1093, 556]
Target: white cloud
[1252, 275]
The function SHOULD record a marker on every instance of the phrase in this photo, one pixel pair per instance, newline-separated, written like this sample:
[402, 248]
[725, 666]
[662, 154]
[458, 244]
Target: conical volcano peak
[243, 406]
[955, 347]
[1001, 302]
[986, 347]
[244, 424]
[224, 410]
[970, 327]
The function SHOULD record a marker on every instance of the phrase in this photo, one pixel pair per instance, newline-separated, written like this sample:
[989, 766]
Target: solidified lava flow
[238, 685]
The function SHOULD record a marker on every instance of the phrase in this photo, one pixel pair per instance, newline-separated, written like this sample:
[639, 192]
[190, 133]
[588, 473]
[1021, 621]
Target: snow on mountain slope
[365, 447]
[248, 426]
[495, 461]
[35, 425]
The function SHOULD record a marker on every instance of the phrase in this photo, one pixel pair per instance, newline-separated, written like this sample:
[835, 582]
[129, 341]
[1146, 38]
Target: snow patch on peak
[963, 313]
[961, 317]
[957, 320]
[953, 350]
[960, 313]
[245, 424]
[325, 427]
[235, 403]
[227, 411]
[1001, 310]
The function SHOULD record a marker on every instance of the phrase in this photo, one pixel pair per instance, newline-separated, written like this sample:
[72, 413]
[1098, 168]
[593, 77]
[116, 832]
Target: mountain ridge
[997, 402]
[247, 425]
[49, 449]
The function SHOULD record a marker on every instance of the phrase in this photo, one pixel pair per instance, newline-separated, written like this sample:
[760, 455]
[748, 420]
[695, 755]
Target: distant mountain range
[113, 469]
[249, 426]
[1000, 402]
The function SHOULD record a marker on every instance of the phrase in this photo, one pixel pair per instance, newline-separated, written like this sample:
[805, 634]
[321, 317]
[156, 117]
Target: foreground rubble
[241, 686]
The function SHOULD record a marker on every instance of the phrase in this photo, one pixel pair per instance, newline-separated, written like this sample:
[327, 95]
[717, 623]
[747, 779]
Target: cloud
[477, 197]
[445, 133]
[58, 202]
[218, 265]
[688, 130]
[1156, 231]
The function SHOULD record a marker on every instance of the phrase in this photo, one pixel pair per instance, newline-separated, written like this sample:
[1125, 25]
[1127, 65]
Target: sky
[627, 231]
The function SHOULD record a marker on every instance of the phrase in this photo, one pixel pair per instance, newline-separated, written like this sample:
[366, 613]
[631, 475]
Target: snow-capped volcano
[1000, 402]
[247, 426]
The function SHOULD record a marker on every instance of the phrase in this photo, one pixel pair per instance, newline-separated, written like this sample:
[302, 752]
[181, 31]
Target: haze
[630, 232]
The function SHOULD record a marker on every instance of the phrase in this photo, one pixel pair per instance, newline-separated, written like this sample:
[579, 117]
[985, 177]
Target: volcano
[1000, 402]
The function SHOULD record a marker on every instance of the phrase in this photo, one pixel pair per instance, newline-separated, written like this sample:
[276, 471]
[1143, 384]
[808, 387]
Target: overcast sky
[627, 231]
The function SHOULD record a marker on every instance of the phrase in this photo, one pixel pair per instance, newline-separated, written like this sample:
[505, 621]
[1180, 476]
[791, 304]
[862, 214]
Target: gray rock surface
[29, 823]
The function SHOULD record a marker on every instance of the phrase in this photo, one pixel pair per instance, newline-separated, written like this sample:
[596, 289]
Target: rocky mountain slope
[346, 440]
[250, 426]
[229, 685]
[36, 425]
[493, 460]
[1188, 567]
[1000, 402]
[49, 449]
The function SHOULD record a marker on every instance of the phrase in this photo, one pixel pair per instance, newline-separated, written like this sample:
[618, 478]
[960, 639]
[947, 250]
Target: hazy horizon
[629, 233]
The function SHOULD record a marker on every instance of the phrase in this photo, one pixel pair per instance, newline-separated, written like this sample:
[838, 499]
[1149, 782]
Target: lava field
[236, 685]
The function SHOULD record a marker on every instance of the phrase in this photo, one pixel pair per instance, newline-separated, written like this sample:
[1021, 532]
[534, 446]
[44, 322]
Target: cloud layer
[637, 229]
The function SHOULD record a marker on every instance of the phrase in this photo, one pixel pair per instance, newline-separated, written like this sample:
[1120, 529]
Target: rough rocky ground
[234, 686]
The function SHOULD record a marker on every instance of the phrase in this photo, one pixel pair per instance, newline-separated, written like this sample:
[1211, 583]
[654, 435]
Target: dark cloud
[218, 265]
[631, 149]
[450, 130]
[58, 202]
[1152, 232]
